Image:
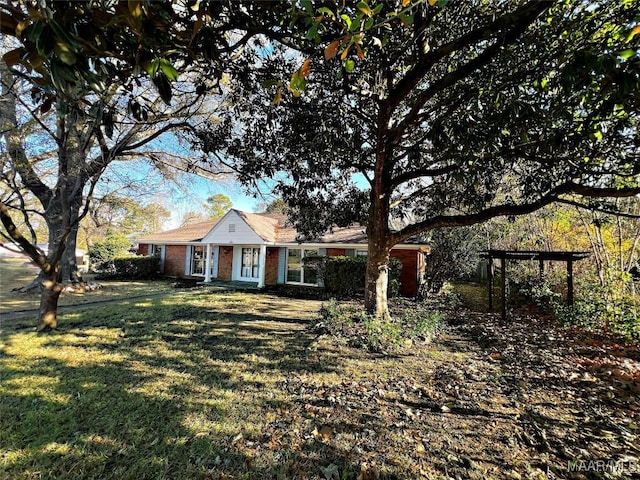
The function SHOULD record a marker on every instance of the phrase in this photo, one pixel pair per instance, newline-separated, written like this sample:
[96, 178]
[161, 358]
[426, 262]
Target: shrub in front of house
[136, 267]
[411, 323]
[345, 276]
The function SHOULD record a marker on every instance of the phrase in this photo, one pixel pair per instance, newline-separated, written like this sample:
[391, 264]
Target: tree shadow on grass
[135, 395]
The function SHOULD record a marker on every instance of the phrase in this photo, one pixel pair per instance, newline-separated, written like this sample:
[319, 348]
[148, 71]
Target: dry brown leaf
[331, 50]
[306, 68]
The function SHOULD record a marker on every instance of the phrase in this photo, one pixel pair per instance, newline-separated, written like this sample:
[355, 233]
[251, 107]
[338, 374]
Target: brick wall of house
[336, 252]
[143, 249]
[271, 266]
[174, 259]
[225, 263]
[409, 274]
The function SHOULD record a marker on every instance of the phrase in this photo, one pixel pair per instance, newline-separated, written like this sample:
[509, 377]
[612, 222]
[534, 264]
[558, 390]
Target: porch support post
[262, 262]
[541, 269]
[207, 264]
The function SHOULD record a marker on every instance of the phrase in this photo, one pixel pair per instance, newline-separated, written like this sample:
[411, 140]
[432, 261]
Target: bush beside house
[136, 268]
[343, 276]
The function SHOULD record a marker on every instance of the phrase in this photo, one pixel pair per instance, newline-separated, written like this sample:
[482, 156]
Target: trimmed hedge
[137, 268]
[344, 276]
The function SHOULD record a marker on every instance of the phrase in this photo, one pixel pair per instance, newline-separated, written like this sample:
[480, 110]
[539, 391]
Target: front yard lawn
[17, 272]
[234, 386]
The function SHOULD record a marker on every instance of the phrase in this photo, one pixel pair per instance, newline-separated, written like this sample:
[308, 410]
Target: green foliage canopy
[468, 111]
[113, 245]
[442, 114]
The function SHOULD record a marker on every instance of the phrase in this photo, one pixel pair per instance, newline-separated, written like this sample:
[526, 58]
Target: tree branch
[15, 149]
[518, 25]
[607, 211]
[552, 196]
[525, 14]
[424, 172]
[25, 245]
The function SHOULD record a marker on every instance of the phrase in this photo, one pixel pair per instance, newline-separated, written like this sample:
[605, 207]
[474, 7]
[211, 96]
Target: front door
[250, 268]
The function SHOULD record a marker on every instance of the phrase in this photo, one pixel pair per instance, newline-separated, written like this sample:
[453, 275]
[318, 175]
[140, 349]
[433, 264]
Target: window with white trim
[155, 249]
[362, 253]
[296, 271]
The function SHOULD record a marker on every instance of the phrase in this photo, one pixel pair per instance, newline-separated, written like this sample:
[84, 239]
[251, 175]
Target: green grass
[233, 386]
[474, 296]
[153, 389]
[15, 272]
[192, 386]
[18, 273]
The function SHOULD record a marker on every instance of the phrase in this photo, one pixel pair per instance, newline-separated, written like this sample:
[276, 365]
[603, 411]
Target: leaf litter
[523, 398]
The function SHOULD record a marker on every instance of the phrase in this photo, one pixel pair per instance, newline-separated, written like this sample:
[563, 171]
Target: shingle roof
[277, 228]
[272, 228]
[266, 226]
[187, 233]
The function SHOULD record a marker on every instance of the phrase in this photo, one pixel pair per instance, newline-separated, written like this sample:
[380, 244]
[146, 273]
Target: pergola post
[503, 267]
[541, 269]
[570, 282]
[529, 255]
[490, 281]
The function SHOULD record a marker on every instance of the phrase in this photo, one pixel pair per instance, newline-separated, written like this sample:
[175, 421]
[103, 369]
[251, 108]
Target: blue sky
[186, 192]
[194, 192]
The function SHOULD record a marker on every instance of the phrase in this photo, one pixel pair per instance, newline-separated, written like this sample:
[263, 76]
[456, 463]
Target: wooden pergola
[519, 255]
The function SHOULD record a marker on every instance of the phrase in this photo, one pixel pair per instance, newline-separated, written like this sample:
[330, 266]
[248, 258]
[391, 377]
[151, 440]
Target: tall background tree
[218, 204]
[452, 112]
[122, 213]
[275, 206]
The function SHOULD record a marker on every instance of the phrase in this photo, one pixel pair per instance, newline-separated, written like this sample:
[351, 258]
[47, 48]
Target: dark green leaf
[164, 87]
[271, 83]
[308, 6]
[33, 31]
[327, 11]
[356, 22]
[364, 7]
[312, 33]
[407, 20]
[369, 23]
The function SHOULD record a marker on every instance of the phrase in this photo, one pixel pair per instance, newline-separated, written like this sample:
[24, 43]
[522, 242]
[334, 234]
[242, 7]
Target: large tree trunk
[378, 234]
[377, 280]
[377, 277]
[49, 296]
[69, 263]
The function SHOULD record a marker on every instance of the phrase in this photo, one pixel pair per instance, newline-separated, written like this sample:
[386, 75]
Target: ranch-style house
[263, 249]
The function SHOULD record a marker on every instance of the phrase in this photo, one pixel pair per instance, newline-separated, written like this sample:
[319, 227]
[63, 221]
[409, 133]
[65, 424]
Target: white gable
[232, 230]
